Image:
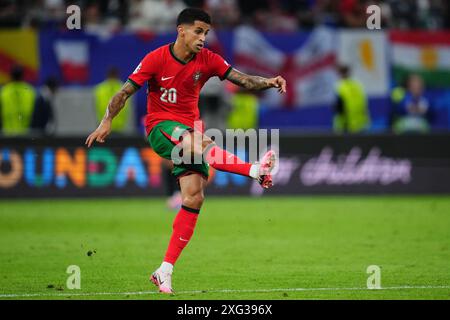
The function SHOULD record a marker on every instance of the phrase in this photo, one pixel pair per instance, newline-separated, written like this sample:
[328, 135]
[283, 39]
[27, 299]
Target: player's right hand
[99, 135]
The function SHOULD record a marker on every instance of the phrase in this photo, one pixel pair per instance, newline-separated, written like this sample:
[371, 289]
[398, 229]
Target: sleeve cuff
[225, 75]
[133, 83]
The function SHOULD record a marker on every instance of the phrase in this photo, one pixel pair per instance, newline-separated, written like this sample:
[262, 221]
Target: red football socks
[225, 161]
[183, 228]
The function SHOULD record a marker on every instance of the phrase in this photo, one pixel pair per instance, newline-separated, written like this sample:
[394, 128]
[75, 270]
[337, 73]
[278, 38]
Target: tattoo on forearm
[117, 102]
[248, 82]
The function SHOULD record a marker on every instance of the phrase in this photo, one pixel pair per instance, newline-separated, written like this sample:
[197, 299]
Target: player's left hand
[278, 82]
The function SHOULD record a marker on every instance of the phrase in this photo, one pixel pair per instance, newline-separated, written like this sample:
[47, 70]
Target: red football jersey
[174, 85]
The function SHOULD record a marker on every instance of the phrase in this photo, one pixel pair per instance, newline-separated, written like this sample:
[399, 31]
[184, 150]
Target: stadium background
[304, 41]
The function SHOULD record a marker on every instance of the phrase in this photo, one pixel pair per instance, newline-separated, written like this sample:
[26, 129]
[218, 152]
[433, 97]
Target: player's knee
[194, 200]
[206, 142]
[195, 143]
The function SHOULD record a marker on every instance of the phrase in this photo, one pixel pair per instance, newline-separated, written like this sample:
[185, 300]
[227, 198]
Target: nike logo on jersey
[183, 239]
[166, 78]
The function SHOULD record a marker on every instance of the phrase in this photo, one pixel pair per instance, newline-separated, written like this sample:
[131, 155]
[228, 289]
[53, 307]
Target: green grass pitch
[243, 248]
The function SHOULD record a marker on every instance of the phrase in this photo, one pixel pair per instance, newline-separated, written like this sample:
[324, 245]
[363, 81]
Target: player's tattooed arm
[118, 100]
[116, 104]
[256, 82]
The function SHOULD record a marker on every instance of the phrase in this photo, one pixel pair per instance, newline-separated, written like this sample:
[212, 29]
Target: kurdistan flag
[422, 52]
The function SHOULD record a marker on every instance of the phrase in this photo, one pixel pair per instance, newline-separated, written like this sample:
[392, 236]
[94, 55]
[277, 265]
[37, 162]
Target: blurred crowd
[269, 15]
[26, 110]
[410, 109]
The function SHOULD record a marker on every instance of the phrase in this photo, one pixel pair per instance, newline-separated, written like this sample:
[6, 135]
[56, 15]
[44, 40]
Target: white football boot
[163, 280]
[265, 168]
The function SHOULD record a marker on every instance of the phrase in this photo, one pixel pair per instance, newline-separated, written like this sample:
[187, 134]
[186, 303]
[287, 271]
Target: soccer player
[175, 73]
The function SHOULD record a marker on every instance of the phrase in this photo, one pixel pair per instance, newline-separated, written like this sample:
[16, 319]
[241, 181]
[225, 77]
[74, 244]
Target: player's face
[195, 35]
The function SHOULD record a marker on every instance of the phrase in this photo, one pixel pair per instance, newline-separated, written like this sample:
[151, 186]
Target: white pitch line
[86, 294]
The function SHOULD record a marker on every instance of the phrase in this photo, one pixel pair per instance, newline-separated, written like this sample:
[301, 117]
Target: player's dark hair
[190, 15]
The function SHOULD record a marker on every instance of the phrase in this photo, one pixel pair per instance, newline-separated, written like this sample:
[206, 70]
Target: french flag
[73, 59]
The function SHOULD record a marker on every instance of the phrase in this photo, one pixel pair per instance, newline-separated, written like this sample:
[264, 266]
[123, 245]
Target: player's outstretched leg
[183, 228]
[220, 159]
[225, 161]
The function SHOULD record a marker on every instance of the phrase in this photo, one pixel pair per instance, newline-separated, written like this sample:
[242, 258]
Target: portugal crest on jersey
[196, 77]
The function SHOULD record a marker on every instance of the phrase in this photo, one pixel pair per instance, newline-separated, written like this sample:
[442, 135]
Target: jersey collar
[178, 59]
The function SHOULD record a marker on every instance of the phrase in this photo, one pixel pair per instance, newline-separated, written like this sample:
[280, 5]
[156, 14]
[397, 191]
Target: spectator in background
[310, 12]
[45, 14]
[270, 15]
[248, 8]
[103, 92]
[11, 13]
[446, 14]
[16, 102]
[412, 111]
[114, 11]
[224, 13]
[97, 22]
[352, 13]
[414, 14]
[244, 110]
[155, 15]
[351, 110]
[43, 119]
[404, 13]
